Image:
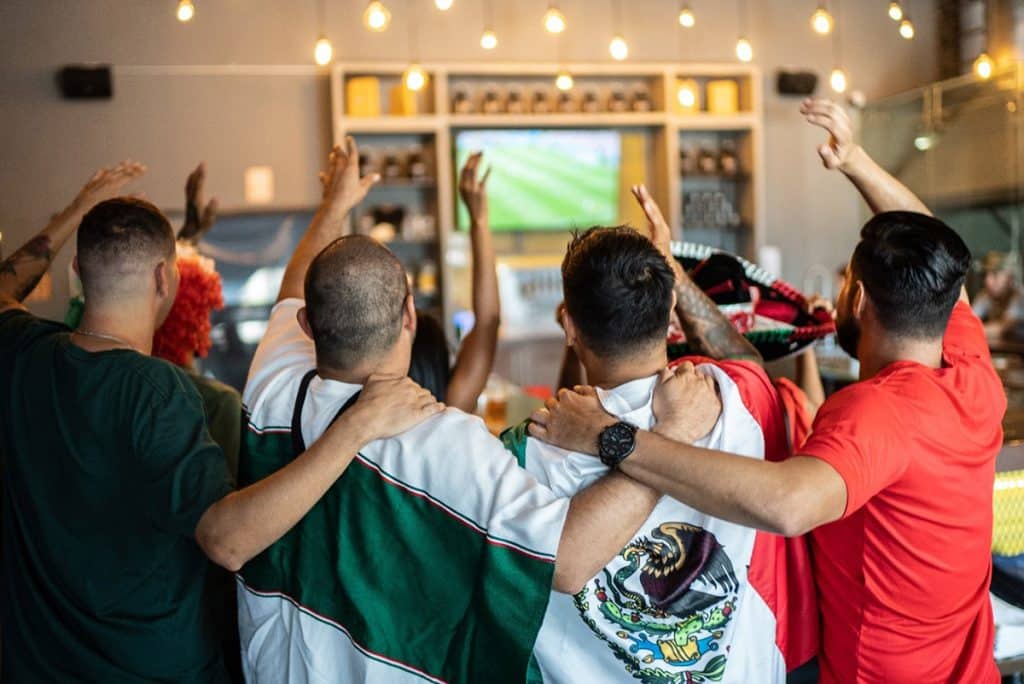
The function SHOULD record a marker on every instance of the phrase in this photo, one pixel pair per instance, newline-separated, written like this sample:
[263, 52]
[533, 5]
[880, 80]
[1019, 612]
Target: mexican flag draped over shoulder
[383, 581]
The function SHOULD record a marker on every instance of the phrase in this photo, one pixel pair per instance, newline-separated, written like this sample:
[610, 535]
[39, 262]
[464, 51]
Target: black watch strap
[616, 442]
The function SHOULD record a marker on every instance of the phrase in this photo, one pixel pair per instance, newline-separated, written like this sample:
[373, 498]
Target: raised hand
[573, 420]
[342, 186]
[686, 404]
[473, 190]
[199, 219]
[107, 184]
[391, 405]
[657, 227]
[833, 118]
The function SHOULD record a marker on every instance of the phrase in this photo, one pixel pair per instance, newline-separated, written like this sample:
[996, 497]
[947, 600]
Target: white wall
[169, 122]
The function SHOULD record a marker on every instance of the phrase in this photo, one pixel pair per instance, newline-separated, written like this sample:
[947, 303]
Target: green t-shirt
[107, 467]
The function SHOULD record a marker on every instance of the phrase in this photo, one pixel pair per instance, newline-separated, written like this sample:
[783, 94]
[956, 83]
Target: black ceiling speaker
[92, 82]
[799, 83]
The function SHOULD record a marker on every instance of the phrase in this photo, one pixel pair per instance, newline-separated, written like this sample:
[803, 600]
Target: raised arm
[879, 188]
[476, 356]
[199, 218]
[22, 270]
[244, 523]
[708, 331]
[343, 190]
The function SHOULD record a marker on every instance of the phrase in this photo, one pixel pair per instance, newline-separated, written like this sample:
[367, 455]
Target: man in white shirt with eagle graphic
[690, 598]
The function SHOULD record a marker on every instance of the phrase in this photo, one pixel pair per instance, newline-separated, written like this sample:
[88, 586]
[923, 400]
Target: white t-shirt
[676, 600]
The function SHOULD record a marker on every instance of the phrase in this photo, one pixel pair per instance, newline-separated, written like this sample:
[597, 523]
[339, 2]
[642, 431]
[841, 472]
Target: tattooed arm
[709, 332]
[199, 217]
[21, 272]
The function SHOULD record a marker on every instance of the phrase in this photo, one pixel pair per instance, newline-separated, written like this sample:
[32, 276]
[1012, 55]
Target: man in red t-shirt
[895, 481]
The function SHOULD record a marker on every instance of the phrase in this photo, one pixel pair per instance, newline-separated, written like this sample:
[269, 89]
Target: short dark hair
[355, 290]
[118, 236]
[913, 268]
[430, 365]
[618, 290]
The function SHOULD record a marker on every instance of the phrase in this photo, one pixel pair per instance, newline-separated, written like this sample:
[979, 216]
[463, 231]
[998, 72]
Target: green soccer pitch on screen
[546, 179]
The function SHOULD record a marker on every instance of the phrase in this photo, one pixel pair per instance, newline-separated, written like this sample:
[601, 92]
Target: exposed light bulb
[564, 80]
[687, 97]
[821, 21]
[686, 17]
[488, 40]
[377, 17]
[895, 11]
[186, 10]
[414, 78]
[838, 80]
[554, 20]
[907, 29]
[984, 66]
[744, 50]
[444, 5]
[924, 142]
[618, 48]
[323, 51]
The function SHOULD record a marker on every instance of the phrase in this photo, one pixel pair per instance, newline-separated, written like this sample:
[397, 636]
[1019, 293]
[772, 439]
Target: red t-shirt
[903, 577]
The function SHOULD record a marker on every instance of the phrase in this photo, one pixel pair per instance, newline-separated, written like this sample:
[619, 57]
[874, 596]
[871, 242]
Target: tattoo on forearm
[22, 271]
[709, 332]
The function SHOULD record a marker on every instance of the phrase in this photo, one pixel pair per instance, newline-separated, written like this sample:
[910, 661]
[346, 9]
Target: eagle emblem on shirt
[663, 605]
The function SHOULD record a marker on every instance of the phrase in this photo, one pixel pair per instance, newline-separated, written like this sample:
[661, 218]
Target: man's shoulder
[18, 326]
[161, 378]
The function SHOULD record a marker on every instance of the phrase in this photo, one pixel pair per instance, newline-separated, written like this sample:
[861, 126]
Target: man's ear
[161, 279]
[74, 266]
[571, 335]
[303, 318]
[860, 300]
[674, 302]
[409, 314]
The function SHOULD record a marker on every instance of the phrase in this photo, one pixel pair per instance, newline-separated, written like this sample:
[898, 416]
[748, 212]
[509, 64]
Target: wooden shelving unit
[667, 127]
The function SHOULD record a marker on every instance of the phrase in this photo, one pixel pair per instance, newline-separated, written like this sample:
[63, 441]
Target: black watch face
[617, 442]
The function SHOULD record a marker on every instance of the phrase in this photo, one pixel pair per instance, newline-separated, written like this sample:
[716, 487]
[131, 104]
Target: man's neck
[607, 375]
[876, 355]
[115, 329]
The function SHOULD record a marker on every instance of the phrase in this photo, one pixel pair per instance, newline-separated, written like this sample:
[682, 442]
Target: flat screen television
[549, 179]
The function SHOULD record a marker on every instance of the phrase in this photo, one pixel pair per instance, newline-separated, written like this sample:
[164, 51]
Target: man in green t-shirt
[113, 493]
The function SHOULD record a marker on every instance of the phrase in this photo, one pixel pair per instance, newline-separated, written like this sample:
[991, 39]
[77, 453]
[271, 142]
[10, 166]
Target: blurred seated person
[1000, 304]
[460, 386]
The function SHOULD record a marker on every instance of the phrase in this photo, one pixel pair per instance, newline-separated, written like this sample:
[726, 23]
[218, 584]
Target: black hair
[119, 236]
[913, 268]
[355, 290]
[430, 365]
[618, 290]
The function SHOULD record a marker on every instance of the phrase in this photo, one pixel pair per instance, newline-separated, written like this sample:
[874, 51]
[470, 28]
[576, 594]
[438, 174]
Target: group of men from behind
[381, 537]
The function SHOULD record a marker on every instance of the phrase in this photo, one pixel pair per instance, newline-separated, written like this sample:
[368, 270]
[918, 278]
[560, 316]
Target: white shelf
[716, 122]
[575, 120]
[390, 124]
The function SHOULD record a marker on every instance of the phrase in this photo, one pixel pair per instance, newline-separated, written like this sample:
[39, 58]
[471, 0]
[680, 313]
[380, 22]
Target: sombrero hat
[770, 312]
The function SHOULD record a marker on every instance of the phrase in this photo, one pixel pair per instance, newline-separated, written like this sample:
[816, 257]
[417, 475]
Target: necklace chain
[104, 336]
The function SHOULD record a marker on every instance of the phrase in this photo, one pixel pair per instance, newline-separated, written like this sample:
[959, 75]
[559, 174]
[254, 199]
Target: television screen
[546, 179]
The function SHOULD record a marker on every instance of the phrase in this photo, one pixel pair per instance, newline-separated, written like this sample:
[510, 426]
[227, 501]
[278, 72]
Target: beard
[848, 335]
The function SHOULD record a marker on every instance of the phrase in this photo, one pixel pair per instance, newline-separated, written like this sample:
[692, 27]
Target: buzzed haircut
[120, 238]
[355, 290]
[618, 290]
[913, 268]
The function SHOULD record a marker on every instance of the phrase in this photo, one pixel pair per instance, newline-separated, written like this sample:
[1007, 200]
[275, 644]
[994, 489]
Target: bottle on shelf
[492, 102]
[728, 161]
[541, 102]
[515, 105]
[566, 103]
[591, 105]
[391, 168]
[462, 103]
[416, 164]
[707, 164]
[641, 101]
[687, 161]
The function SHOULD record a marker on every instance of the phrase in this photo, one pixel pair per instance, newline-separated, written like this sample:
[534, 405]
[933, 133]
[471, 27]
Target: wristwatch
[615, 443]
